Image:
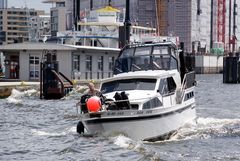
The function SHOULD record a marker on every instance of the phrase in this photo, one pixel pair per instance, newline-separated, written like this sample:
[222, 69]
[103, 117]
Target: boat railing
[187, 82]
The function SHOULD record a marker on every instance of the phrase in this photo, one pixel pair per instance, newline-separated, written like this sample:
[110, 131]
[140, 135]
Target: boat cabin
[145, 87]
[156, 56]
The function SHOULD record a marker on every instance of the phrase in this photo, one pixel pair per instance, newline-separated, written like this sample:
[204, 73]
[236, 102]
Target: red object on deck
[94, 104]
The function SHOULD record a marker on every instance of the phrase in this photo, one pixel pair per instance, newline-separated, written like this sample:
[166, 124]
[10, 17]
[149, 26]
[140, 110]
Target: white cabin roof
[142, 74]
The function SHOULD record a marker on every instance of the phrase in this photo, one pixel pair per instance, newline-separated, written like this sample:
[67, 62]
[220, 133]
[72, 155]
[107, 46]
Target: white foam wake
[123, 141]
[205, 128]
[45, 133]
[16, 95]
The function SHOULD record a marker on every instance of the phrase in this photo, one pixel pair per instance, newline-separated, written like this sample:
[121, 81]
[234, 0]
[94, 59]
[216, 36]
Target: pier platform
[16, 84]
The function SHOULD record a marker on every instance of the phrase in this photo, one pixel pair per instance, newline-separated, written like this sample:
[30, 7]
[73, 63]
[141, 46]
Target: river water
[34, 129]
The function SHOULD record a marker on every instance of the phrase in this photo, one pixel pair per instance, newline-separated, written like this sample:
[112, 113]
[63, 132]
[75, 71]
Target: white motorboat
[149, 97]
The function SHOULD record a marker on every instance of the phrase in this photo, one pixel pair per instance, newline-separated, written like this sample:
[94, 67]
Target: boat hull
[145, 126]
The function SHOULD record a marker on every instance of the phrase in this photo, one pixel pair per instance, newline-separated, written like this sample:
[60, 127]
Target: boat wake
[16, 95]
[137, 146]
[202, 128]
[46, 133]
[205, 128]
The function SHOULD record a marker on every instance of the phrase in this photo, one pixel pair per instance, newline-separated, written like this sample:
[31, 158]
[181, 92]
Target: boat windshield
[159, 57]
[128, 84]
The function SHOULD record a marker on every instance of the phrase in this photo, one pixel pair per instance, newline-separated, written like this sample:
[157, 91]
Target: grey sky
[36, 4]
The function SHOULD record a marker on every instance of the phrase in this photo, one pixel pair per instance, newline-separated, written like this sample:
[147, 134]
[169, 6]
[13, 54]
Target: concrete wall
[24, 66]
[65, 63]
[200, 23]
[208, 64]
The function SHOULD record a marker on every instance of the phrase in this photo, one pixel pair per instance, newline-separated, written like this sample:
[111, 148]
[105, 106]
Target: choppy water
[34, 129]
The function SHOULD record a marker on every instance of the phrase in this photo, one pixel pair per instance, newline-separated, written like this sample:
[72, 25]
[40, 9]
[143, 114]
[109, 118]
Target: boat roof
[149, 74]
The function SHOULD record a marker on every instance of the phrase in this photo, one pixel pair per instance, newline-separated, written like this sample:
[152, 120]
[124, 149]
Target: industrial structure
[202, 24]
[53, 83]
[76, 10]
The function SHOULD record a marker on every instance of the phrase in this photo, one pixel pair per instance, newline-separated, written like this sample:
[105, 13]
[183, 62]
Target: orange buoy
[94, 104]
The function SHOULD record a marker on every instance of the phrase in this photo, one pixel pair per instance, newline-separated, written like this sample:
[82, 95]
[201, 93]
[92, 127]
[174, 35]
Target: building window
[100, 68]
[88, 61]
[100, 63]
[76, 67]
[76, 62]
[110, 65]
[34, 69]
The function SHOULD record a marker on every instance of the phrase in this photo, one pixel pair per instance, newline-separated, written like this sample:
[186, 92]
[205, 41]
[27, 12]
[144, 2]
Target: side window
[167, 86]
[163, 87]
[153, 103]
[171, 85]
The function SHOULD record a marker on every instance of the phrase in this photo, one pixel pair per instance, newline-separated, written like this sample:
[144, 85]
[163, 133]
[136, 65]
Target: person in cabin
[146, 64]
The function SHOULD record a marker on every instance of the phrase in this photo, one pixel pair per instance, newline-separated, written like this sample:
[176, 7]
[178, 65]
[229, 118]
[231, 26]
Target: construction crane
[232, 25]
[221, 21]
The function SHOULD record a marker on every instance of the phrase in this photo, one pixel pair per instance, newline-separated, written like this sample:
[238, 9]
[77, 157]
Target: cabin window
[153, 103]
[167, 86]
[143, 51]
[128, 84]
[161, 57]
[189, 96]
[174, 62]
[141, 63]
[122, 65]
[127, 53]
[160, 50]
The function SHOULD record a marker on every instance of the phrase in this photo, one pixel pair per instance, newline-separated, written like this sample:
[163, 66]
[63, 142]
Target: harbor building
[22, 60]
[14, 24]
